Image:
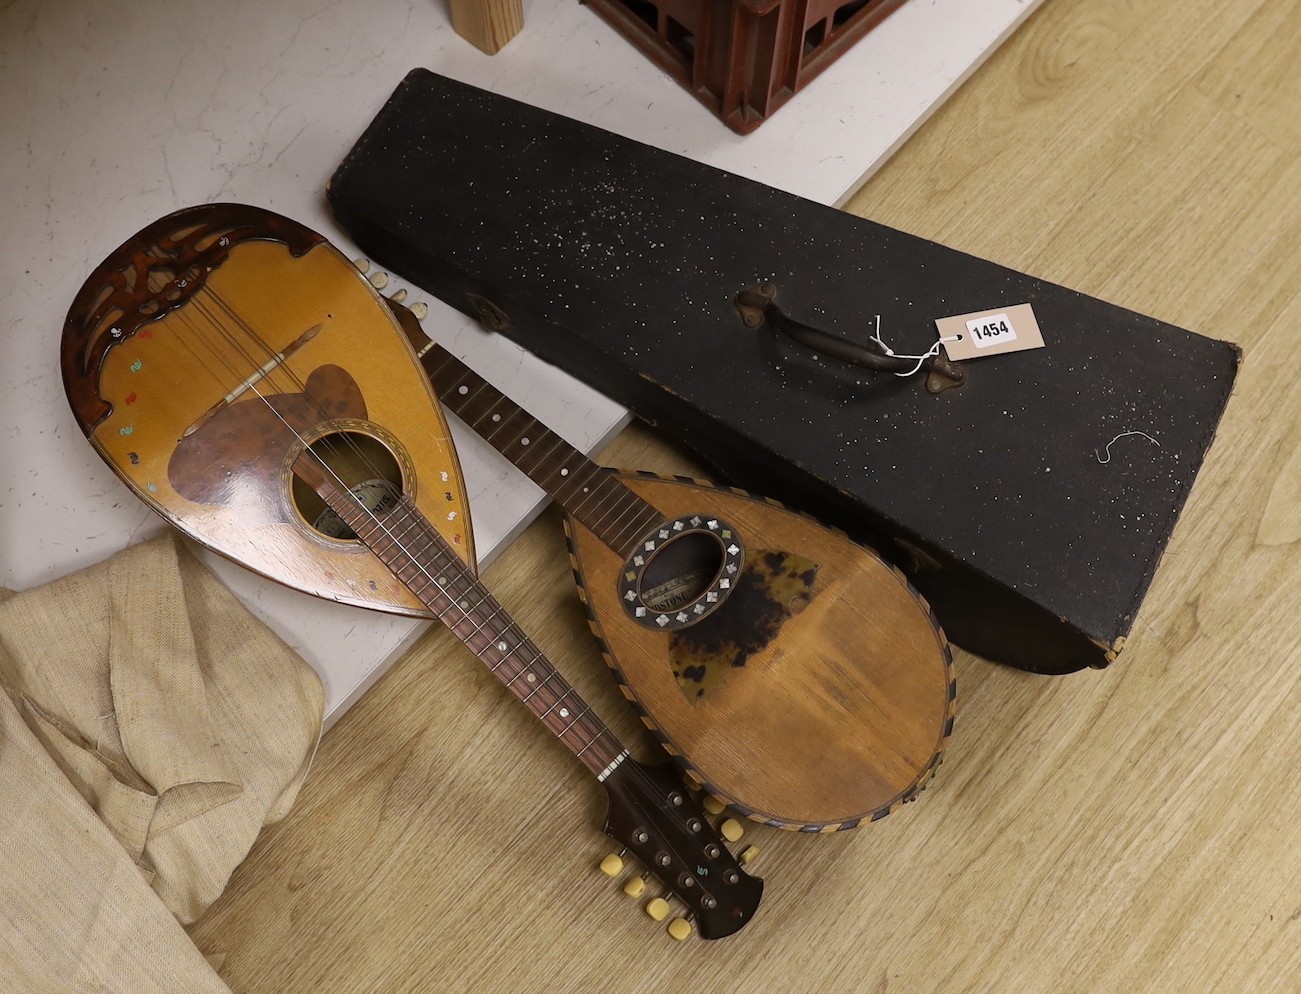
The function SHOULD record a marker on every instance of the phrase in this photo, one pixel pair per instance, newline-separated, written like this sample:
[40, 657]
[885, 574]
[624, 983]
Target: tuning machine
[729, 828]
[612, 865]
[380, 279]
[377, 279]
[658, 908]
[419, 310]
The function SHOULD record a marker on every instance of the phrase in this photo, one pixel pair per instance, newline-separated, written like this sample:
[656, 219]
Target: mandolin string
[455, 600]
[283, 366]
[595, 728]
[587, 716]
[594, 471]
[624, 533]
[587, 723]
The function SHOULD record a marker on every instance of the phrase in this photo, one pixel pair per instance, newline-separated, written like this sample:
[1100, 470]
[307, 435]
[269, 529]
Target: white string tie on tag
[934, 350]
[1117, 439]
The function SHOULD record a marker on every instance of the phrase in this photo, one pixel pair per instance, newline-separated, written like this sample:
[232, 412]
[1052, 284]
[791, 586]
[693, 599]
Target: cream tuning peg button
[363, 265]
[379, 280]
[657, 908]
[731, 830]
[420, 309]
[713, 805]
[612, 865]
[398, 296]
[635, 887]
[679, 928]
[748, 854]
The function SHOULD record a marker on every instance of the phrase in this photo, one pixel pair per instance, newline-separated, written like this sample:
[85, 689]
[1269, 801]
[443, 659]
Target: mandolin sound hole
[681, 571]
[366, 467]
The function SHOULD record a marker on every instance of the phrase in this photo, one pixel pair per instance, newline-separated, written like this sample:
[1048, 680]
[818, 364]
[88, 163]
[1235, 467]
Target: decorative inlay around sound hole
[680, 572]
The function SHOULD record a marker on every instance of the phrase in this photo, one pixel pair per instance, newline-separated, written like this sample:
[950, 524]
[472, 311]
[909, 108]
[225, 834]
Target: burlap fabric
[150, 727]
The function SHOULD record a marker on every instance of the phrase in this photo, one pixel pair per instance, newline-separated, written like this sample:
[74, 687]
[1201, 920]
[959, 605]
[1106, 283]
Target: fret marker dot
[564, 472]
[442, 579]
[496, 417]
[465, 605]
[501, 646]
[584, 490]
[463, 390]
[530, 677]
[564, 712]
[524, 440]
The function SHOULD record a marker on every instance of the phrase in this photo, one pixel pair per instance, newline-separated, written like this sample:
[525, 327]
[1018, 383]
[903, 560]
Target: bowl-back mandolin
[795, 674]
[213, 361]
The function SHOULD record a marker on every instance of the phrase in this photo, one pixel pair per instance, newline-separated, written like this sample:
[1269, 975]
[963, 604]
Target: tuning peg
[420, 309]
[657, 908]
[635, 887]
[731, 829]
[398, 295]
[612, 865]
[713, 805]
[748, 855]
[363, 265]
[679, 928]
[378, 279]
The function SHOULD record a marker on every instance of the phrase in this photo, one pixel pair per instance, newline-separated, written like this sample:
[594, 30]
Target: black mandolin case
[622, 264]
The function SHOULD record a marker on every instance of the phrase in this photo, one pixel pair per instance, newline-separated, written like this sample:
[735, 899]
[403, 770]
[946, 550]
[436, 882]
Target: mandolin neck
[405, 541]
[590, 493]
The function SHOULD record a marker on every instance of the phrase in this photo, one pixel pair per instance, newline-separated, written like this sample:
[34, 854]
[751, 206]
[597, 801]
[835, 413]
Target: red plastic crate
[743, 59]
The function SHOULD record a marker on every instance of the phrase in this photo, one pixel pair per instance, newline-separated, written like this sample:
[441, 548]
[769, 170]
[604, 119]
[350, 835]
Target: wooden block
[488, 24]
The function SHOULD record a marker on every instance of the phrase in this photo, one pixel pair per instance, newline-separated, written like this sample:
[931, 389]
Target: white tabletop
[115, 112]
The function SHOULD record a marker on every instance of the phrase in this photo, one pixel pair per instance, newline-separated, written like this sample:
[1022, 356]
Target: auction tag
[993, 332]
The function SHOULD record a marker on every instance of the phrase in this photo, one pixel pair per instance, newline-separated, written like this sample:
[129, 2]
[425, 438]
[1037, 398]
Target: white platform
[114, 113]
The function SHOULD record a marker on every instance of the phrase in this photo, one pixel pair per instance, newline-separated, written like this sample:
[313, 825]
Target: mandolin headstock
[663, 825]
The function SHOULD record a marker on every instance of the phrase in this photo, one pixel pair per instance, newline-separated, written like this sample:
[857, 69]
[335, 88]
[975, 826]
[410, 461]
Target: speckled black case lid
[620, 262]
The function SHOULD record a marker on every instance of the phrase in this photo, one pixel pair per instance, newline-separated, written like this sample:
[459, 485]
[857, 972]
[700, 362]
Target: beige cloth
[151, 727]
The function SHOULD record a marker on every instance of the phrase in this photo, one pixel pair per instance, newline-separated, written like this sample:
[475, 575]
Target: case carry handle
[759, 303]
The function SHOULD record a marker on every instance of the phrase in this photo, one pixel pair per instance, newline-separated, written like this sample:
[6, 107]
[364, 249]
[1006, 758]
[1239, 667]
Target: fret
[513, 427]
[541, 684]
[638, 527]
[539, 452]
[491, 615]
[577, 481]
[588, 493]
[615, 510]
[558, 703]
[629, 520]
[595, 492]
[578, 716]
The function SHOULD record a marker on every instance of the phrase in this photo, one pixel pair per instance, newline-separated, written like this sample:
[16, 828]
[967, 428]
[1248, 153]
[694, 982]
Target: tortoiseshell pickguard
[773, 586]
[247, 440]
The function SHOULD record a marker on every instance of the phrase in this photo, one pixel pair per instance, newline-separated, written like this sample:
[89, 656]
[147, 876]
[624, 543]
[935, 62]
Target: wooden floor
[1135, 829]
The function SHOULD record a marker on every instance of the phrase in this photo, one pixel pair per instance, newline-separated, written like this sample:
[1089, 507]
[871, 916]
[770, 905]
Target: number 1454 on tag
[995, 329]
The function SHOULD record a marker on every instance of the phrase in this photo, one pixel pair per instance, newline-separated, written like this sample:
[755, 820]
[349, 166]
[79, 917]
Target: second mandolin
[808, 682]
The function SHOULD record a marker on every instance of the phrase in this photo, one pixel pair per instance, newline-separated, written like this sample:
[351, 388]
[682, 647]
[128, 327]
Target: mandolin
[212, 361]
[794, 674]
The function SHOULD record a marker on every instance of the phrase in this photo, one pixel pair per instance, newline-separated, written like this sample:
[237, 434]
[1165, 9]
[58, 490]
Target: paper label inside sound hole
[992, 332]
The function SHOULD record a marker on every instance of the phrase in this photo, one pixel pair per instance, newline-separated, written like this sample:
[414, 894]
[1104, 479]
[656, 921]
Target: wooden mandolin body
[818, 696]
[209, 349]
